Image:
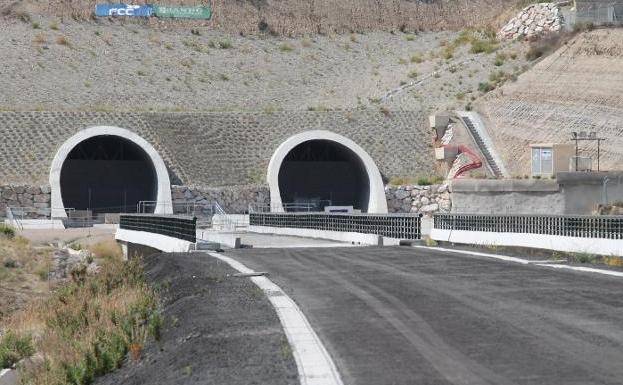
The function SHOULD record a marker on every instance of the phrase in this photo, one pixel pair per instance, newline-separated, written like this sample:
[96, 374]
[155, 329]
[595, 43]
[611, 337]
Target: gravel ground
[399, 315]
[217, 329]
[104, 66]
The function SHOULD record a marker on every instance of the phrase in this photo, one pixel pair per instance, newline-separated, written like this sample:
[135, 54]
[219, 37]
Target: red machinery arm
[474, 163]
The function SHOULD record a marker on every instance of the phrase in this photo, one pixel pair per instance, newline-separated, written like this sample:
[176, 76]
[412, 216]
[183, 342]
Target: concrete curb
[313, 362]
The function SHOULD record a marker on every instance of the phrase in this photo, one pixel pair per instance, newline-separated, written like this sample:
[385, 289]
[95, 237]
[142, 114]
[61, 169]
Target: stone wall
[534, 20]
[234, 200]
[37, 199]
[426, 200]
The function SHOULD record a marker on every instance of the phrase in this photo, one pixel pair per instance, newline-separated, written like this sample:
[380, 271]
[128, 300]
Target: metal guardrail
[176, 226]
[387, 225]
[600, 227]
[287, 207]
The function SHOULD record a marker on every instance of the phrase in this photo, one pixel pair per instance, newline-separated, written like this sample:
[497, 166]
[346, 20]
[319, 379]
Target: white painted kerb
[377, 202]
[539, 241]
[313, 362]
[156, 241]
[163, 197]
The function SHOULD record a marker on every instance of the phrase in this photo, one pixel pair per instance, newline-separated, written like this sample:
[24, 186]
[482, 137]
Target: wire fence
[176, 226]
[602, 13]
[599, 227]
[389, 225]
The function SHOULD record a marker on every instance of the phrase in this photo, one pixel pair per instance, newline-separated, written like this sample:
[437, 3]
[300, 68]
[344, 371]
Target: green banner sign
[197, 12]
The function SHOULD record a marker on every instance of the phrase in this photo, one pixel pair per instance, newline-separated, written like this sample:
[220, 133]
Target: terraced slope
[215, 149]
[578, 88]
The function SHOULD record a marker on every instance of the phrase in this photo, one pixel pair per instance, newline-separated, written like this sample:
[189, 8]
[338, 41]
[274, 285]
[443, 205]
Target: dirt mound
[302, 16]
[216, 329]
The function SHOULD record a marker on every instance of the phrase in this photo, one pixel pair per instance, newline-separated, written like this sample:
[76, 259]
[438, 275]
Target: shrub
[10, 263]
[285, 47]
[7, 231]
[109, 249]
[223, 44]
[424, 181]
[413, 74]
[417, 58]
[35, 25]
[62, 40]
[485, 87]
[486, 46]
[40, 38]
[13, 348]
[75, 246]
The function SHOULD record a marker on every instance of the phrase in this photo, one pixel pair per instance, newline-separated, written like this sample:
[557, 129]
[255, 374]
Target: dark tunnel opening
[107, 174]
[321, 173]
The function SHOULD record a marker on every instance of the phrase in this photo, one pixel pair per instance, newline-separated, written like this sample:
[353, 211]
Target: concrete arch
[164, 201]
[377, 202]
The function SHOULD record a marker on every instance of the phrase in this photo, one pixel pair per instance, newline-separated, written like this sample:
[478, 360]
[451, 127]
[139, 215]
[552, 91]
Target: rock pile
[425, 200]
[534, 20]
[65, 262]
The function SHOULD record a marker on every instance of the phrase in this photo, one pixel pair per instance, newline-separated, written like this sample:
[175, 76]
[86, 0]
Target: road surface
[400, 315]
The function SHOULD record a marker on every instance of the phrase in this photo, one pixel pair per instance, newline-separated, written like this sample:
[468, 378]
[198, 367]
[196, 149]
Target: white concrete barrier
[341, 236]
[540, 241]
[231, 240]
[156, 241]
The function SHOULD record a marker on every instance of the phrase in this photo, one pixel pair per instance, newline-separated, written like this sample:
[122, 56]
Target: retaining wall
[34, 197]
[570, 193]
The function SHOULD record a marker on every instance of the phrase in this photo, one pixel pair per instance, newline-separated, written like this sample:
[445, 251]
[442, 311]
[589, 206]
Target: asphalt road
[417, 316]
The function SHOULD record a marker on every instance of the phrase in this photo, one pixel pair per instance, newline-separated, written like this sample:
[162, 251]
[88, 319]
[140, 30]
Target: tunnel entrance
[320, 173]
[107, 174]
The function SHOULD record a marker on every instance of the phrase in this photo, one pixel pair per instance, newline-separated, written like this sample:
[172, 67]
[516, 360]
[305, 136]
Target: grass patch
[13, 348]
[285, 47]
[89, 325]
[7, 231]
[417, 58]
[422, 180]
[109, 249]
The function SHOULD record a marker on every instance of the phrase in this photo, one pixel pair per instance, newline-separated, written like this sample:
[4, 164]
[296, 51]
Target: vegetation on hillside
[86, 327]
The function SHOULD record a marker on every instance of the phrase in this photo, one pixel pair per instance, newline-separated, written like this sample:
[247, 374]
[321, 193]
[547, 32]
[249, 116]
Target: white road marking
[553, 264]
[585, 269]
[314, 363]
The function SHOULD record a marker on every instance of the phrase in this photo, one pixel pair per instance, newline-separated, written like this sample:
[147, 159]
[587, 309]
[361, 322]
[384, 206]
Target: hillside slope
[578, 88]
[105, 66]
[304, 16]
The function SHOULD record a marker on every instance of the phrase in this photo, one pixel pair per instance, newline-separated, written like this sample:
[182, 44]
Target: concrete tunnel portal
[108, 169]
[107, 174]
[319, 168]
[320, 173]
